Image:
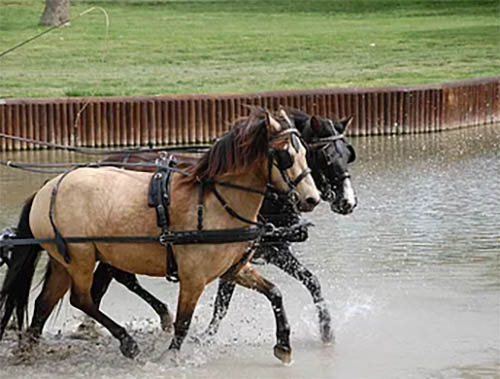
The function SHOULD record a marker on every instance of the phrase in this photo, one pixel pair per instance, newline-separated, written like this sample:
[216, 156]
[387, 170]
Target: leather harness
[159, 198]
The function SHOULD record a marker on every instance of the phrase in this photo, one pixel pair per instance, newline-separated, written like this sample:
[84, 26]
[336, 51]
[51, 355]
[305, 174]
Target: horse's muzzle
[343, 206]
[308, 204]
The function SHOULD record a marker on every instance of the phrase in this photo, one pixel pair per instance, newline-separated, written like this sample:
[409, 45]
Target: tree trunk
[55, 13]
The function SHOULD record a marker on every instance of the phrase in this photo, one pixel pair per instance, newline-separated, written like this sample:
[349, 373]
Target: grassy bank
[162, 47]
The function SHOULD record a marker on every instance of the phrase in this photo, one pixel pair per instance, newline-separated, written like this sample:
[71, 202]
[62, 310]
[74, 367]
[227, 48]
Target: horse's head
[329, 156]
[257, 140]
[288, 170]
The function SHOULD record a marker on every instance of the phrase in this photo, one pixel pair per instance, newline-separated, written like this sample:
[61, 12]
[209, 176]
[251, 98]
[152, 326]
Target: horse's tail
[14, 294]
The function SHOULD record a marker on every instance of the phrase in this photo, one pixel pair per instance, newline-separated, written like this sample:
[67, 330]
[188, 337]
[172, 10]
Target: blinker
[283, 159]
[295, 143]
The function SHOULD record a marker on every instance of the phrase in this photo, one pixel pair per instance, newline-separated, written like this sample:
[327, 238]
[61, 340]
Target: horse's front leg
[189, 293]
[285, 260]
[224, 293]
[249, 278]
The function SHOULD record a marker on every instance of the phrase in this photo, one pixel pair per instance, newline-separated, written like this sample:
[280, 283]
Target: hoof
[325, 329]
[129, 348]
[167, 322]
[29, 339]
[25, 349]
[326, 333]
[283, 353]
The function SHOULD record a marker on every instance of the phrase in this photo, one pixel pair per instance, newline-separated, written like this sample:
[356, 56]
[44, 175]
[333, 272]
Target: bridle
[283, 160]
[319, 146]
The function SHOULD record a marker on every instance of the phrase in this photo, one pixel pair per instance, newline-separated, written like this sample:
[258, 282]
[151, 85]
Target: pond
[412, 279]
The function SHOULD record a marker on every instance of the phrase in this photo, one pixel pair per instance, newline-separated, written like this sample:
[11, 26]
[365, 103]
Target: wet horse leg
[285, 260]
[249, 278]
[81, 270]
[225, 291]
[189, 293]
[102, 278]
[56, 284]
[103, 275]
[81, 299]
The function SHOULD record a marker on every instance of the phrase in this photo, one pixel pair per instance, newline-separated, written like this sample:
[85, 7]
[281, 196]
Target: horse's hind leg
[81, 274]
[224, 293]
[130, 281]
[82, 300]
[56, 284]
[285, 260]
[249, 278]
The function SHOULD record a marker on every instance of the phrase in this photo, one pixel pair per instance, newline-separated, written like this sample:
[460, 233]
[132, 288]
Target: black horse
[328, 157]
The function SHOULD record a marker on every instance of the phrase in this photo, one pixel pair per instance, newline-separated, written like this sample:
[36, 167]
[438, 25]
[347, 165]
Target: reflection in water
[412, 276]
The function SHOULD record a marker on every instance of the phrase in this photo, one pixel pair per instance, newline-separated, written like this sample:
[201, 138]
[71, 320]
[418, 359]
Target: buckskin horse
[230, 181]
[328, 157]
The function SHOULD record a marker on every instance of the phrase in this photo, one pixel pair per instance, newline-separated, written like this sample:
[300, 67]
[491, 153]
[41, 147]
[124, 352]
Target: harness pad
[159, 198]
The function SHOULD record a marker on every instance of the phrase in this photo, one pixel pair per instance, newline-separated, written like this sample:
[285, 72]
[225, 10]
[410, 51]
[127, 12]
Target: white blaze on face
[349, 195]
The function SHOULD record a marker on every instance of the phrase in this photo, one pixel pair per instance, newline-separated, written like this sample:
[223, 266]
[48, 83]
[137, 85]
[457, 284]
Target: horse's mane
[236, 150]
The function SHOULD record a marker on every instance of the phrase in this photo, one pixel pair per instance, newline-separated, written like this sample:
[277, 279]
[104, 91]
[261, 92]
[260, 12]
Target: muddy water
[412, 279]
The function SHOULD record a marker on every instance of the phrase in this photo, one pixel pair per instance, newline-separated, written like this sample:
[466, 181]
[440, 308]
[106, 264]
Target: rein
[57, 168]
[92, 151]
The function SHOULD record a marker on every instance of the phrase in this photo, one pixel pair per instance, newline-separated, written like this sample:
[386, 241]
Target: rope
[20, 44]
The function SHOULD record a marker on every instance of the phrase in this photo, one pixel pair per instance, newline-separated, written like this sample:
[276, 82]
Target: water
[412, 279]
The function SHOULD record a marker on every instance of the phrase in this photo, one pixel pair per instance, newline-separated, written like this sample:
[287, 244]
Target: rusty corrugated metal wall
[189, 119]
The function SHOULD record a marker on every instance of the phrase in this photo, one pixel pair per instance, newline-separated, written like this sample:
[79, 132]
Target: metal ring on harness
[294, 197]
[7, 234]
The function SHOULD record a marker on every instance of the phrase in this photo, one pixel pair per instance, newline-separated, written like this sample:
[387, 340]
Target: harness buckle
[166, 237]
[269, 228]
[200, 212]
[294, 197]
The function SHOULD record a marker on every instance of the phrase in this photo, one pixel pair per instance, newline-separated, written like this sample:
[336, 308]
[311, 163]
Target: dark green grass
[162, 47]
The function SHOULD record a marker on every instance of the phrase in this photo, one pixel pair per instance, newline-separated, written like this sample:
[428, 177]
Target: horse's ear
[273, 126]
[315, 124]
[345, 122]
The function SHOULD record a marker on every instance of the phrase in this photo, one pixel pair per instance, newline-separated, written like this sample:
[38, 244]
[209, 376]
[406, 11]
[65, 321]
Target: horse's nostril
[312, 201]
